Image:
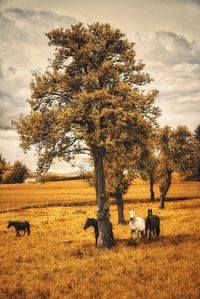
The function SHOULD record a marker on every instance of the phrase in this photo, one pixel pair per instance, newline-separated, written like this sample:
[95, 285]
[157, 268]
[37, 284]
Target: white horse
[137, 225]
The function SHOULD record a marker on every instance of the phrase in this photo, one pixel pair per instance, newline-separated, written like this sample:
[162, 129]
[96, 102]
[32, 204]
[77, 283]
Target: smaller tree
[148, 172]
[20, 172]
[16, 173]
[2, 167]
[118, 179]
[196, 168]
[197, 133]
[149, 162]
[120, 172]
[176, 154]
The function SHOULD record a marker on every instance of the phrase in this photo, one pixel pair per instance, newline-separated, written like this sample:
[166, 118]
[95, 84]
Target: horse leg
[146, 233]
[137, 236]
[156, 234]
[24, 232]
[17, 235]
[150, 234]
[157, 231]
[143, 235]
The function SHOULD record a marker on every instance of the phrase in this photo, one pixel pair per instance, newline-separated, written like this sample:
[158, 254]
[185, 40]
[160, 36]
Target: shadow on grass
[178, 239]
[186, 207]
[161, 241]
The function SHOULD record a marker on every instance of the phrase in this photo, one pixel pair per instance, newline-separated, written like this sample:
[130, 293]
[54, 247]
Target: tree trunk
[151, 188]
[105, 237]
[120, 207]
[165, 190]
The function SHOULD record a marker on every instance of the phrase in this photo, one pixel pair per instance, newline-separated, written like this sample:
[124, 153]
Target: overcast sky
[167, 40]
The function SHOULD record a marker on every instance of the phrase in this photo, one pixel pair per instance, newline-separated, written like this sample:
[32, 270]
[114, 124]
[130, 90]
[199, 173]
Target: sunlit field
[59, 259]
[52, 193]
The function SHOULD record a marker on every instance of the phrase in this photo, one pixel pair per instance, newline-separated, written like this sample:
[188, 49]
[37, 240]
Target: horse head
[132, 214]
[150, 213]
[86, 224]
[9, 224]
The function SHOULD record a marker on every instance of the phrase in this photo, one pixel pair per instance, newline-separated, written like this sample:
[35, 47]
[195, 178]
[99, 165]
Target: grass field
[59, 260]
[21, 195]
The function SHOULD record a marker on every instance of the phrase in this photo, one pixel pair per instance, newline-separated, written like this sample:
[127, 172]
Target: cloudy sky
[167, 40]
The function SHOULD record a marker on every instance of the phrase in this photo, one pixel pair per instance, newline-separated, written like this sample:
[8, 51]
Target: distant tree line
[53, 177]
[11, 174]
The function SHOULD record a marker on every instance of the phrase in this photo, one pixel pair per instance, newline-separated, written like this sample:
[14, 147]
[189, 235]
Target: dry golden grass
[20, 195]
[59, 260]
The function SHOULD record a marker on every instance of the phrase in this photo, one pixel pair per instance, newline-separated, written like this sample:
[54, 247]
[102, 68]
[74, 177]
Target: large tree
[90, 96]
[176, 154]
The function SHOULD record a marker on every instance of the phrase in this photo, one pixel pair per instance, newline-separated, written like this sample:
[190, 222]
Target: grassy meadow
[59, 259]
[15, 196]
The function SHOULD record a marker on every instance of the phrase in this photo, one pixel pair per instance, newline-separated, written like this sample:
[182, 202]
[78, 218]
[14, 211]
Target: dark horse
[25, 226]
[152, 224]
[93, 222]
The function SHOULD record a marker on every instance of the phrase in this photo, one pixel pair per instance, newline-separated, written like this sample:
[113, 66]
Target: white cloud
[174, 62]
[172, 48]
[23, 48]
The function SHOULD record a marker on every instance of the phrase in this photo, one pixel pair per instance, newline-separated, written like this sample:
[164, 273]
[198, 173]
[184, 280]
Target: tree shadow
[178, 239]
[187, 207]
[127, 242]
[158, 241]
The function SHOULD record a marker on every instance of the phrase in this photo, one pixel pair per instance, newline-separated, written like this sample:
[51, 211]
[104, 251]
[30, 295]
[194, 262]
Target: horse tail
[28, 228]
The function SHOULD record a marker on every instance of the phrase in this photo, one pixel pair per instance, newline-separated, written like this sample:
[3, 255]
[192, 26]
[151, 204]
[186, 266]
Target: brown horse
[152, 224]
[25, 226]
[94, 223]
